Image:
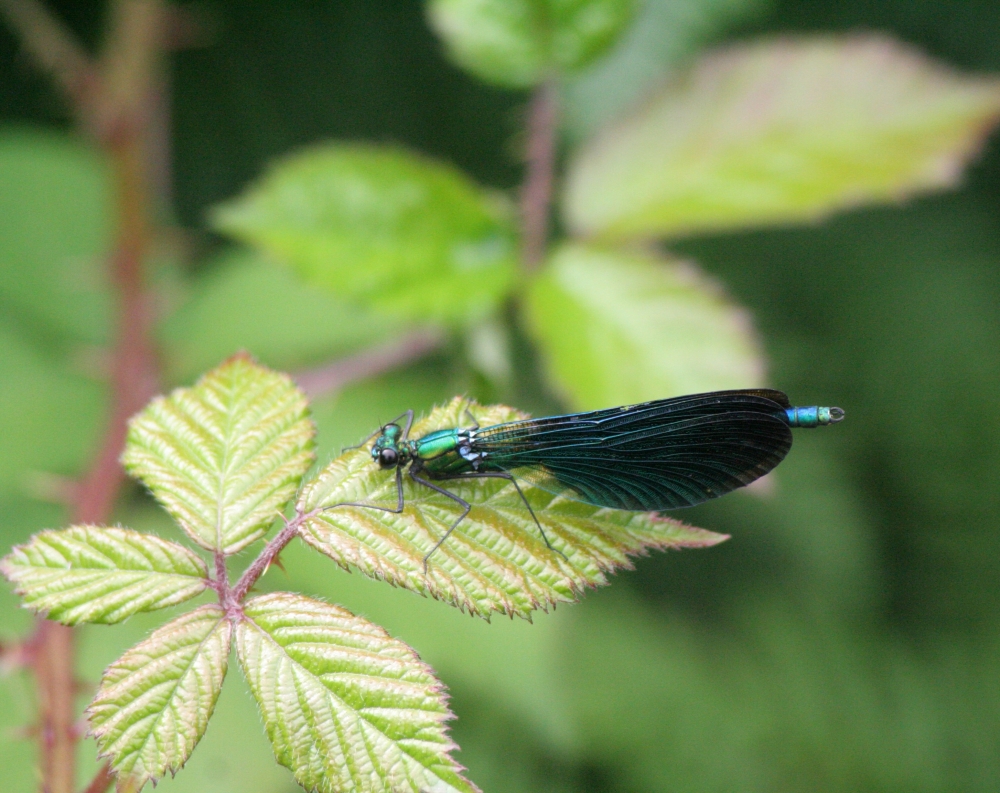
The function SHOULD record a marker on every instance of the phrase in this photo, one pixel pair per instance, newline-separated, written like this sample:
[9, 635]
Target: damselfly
[652, 456]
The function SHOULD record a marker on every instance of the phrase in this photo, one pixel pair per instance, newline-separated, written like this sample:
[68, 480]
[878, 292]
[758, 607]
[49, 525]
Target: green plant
[412, 250]
[345, 706]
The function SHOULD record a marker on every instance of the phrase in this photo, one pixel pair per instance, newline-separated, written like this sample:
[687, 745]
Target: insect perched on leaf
[652, 456]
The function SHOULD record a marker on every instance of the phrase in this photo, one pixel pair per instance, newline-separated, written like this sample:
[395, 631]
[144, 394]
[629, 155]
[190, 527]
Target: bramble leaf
[665, 33]
[154, 702]
[94, 574]
[496, 559]
[518, 43]
[225, 456]
[382, 227]
[778, 132]
[347, 708]
[618, 328]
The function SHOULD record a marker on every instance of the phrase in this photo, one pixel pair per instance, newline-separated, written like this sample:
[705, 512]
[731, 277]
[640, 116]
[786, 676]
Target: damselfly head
[385, 450]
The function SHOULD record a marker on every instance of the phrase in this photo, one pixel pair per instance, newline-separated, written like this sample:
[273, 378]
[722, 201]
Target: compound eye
[387, 458]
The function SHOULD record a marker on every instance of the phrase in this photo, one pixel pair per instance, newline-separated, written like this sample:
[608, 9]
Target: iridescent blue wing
[656, 455]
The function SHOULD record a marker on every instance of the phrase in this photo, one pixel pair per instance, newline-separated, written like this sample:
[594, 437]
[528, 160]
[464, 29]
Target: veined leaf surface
[154, 702]
[496, 559]
[382, 228]
[518, 43]
[779, 132]
[347, 708]
[225, 456]
[94, 574]
[617, 327]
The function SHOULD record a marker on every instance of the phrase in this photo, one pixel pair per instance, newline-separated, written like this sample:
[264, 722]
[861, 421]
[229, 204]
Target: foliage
[386, 227]
[345, 706]
[796, 156]
[496, 560]
[631, 688]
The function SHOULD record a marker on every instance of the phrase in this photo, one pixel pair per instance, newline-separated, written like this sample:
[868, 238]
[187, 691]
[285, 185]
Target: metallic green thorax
[441, 453]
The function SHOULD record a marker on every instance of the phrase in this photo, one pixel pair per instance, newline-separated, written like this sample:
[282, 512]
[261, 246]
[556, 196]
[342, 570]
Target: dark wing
[656, 455]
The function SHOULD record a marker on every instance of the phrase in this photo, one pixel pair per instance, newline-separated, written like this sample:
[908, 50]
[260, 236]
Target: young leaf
[154, 702]
[347, 708]
[225, 456]
[395, 231]
[496, 560]
[664, 34]
[616, 328]
[93, 574]
[778, 132]
[517, 43]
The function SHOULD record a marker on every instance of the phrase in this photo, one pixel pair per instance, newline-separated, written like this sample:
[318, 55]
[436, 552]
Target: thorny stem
[134, 365]
[102, 780]
[267, 556]
[55, 50]
[536, 195]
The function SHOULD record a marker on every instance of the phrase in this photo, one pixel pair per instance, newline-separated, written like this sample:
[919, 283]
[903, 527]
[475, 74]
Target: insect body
[658, 455]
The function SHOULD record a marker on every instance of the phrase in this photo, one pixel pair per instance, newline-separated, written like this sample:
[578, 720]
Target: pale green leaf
[384, 227]
[617, 328]
[517, 43]
[665, 33]
[94, 574]
[496, 560]
[226, 456]
[154, 703]
[347, 708]
[781, 131]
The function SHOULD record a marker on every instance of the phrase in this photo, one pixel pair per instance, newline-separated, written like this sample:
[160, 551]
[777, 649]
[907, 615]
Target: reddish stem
[536, 195]
[102, 780]
[330, 378]
[267, 556]
[133, 363]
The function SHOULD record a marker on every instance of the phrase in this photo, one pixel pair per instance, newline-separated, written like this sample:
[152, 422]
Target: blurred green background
[845, 639]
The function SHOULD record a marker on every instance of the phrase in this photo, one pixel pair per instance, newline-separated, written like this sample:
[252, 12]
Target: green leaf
[347, 708]
[665, 33]
[394, 231]
[94, 574]
[225, 456]
[781, 131]
[244, 302]
[55, 234]
[517, 43]
[154, 703]
[617, 328]
[496, 559]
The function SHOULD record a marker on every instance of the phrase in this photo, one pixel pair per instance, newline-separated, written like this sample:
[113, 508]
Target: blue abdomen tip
[813, 416]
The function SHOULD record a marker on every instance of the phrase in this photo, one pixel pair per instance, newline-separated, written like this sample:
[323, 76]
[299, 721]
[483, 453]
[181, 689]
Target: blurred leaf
[49, 416]
[665, 32]
[347, 708]
[55, 233]
[778, 132]
[496, 560]
[245, 302]
[225, 456]
[383, 227]
[517, 43]
[154, 702]
[93, 574]
[617, 328]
